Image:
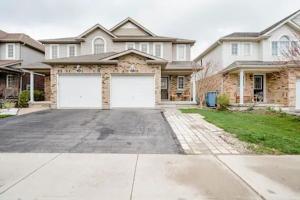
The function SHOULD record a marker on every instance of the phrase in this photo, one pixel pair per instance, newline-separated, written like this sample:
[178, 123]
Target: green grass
[4, 116]
[271, 132]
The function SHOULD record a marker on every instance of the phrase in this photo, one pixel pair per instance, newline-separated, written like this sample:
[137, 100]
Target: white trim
[75, 49]
[133, 51]
[127, 43]
[162, 49]
[52, 45]
[237, 48]
[178, 82]
[250, 48]
[264, 85]
[93, 28]
[140, 47]
[184, 52]
[95, 38]
[11, 75]
[14, 51]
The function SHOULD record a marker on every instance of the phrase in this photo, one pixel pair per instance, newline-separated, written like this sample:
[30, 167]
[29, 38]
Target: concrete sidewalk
[148, 176]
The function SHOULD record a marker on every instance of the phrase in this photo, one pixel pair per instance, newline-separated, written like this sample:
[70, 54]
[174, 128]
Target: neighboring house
[18, 50]
[126, 66]
[251, 67]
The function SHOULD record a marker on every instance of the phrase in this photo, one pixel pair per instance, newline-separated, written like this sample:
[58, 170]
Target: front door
[164, 88]
[258, 88]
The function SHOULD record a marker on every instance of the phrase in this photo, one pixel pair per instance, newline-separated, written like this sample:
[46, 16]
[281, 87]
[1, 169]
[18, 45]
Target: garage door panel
[132, 91]
[79, 91]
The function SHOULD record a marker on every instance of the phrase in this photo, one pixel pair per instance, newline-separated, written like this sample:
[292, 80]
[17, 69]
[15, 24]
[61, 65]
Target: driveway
[88, 131]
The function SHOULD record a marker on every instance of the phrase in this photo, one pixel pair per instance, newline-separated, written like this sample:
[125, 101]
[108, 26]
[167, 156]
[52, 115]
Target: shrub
[222, 102]
[8, 104]
[39, 95]
[23, 99]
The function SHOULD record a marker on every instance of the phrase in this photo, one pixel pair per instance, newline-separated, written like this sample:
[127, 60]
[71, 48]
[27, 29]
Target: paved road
[148, 176]
[88, 131]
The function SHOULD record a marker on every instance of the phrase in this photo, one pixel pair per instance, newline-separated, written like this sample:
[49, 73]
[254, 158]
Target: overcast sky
[202, 20]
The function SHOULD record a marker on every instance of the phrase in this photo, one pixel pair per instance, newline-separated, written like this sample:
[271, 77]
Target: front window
[180, 82]
[234, 49]
[158, 50]
[11, 81]
[247, 49]
[99, 46]
[72, 50]
[181, 52]
[130, 45]
[144, 47]
[284, 44]
[10, 51]
[274, 48]
[54, 51]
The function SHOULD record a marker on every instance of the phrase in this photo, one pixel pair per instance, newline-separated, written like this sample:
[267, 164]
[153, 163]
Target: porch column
[241, 87]
[31, 87]
[194, 87]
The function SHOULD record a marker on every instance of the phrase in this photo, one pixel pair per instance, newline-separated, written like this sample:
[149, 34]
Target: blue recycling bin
[211, 99]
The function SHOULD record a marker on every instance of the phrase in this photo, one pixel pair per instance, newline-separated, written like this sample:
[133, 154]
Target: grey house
[18, 50]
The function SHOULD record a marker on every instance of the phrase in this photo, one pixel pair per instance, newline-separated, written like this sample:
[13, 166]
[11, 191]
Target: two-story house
[254, 67]
[18, 50]
[125, 66]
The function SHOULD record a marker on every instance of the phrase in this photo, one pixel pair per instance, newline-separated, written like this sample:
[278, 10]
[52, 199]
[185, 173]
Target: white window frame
[161, 49]
[127, 44]
[250, 48]
[146, 43]
[53, 45]
[9, 75]
[75, 49]
[184, 52]
[93, 46]
[237, 49]
[14, 51]
[178, 82]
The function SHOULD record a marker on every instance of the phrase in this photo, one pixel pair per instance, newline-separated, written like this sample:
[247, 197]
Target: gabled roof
[22, 38]
[7, 65]
[134, 51]
[67, 40]
[128, 19]
[96, 26]
[250, 36]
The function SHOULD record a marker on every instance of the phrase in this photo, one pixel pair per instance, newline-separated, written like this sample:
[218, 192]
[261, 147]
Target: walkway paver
[196, 135]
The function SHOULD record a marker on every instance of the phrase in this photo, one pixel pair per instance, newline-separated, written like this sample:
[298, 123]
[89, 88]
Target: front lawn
[4, 116]
[272, 132]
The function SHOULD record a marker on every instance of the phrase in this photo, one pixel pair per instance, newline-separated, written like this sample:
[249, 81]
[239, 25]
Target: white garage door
[132, 91]
[79, 91]
[298, 94]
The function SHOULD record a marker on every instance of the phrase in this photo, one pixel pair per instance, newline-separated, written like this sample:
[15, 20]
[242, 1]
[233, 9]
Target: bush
[222, 102]
[39, 95]
[8, 104]
[23, 99]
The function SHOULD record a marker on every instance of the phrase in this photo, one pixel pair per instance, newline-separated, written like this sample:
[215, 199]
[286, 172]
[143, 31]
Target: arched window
[98, 45]
[284, 43]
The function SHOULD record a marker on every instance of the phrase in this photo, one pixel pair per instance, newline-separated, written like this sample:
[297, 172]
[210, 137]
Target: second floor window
[284, 44]
[234, 49]
[274, 48]
[247, 49]
[181, 52]
[130, 45]
[54, 51]
[10, 51]
[144, 47]
[158, 50]
[71, 50]
[99, 46]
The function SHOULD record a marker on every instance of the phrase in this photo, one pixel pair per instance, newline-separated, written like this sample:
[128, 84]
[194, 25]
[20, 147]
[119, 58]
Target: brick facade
[123, 67]
[175, 94]
[280, 86]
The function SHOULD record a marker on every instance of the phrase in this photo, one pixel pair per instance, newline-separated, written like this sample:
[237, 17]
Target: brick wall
[123, 66]
[293, 74]
[184, 95]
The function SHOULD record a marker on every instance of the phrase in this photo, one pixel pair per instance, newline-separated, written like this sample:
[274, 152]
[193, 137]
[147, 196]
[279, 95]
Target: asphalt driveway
[88, 131]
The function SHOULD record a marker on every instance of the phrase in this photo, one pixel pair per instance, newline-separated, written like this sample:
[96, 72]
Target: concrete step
[40, 104]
